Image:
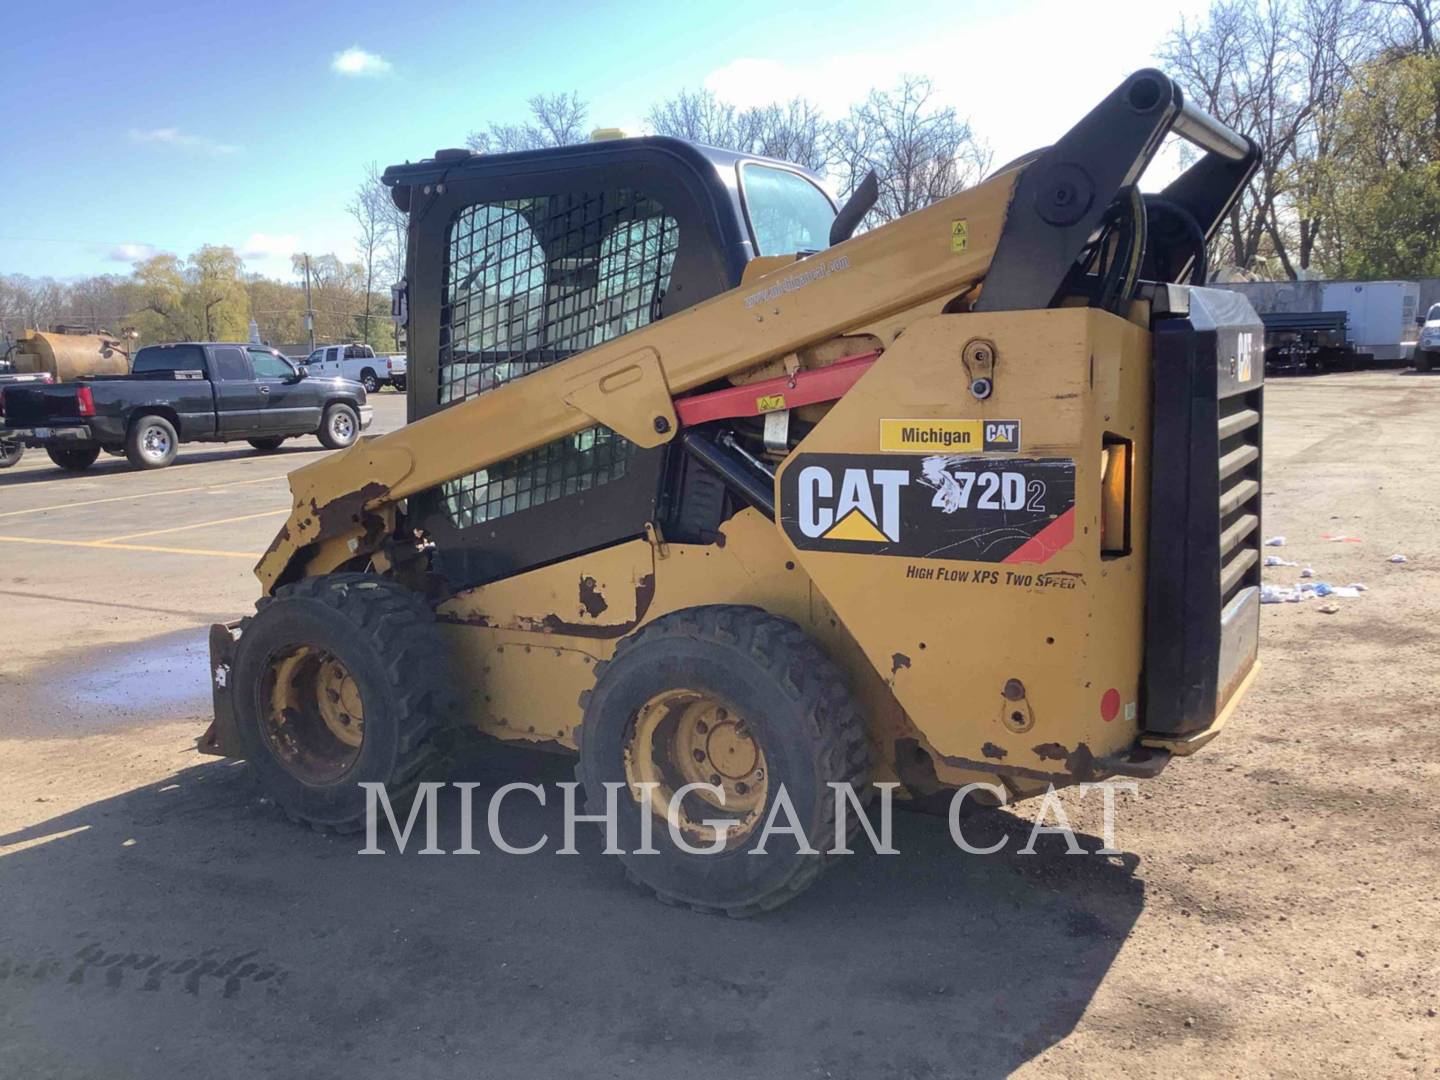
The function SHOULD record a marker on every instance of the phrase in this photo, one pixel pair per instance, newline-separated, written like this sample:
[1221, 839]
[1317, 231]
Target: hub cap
[313, 718]
[341, 426]
[155, 441]
[689, 737]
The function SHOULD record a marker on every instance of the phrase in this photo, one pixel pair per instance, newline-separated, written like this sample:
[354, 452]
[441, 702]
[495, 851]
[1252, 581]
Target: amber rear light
[1116, 461]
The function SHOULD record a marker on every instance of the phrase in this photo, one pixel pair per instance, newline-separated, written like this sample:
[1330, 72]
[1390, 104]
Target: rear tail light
[2, 402]
[85, 400]
[1115, 468]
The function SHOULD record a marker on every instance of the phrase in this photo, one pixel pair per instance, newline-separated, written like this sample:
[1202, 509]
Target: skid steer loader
[731, 498]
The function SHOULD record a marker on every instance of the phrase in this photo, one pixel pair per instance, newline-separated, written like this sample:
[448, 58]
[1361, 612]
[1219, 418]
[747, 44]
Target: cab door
[514, 272]
[239, 404]
[292, 406]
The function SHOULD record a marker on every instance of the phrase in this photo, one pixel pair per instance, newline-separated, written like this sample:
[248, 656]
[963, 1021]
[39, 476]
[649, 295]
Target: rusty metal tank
[70, 356]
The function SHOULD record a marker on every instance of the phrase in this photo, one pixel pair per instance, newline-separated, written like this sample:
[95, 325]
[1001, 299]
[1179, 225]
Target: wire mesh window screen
[529, 282]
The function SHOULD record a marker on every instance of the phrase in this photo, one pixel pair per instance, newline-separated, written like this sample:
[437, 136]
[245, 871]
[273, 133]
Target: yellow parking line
[104, 545]
[143, 495]
[197, 525]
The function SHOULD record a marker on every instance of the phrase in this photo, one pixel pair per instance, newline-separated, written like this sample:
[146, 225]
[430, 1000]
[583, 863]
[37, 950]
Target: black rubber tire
[271, 442]
[797, 703]
[328, 438]
[75, 459]
[399, 384]
[136, 450]
[370, 381]
[1424, 360]
[385, 634]
[11, 453]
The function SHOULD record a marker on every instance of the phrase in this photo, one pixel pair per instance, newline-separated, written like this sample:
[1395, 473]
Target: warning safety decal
[937, 506]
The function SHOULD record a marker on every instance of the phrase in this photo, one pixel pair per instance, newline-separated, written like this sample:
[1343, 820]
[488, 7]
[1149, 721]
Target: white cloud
[357, 62]
[130, 253]
[750, 81]
[266, 245]
[182, 140]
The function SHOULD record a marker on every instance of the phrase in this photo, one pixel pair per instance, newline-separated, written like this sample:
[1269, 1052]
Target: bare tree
[1274, 70]
[555, 120]
[30, 303]
[96, 303]
[919, 151]
[1412, 24]
[795, 130]
[395, 225]
[369, 210]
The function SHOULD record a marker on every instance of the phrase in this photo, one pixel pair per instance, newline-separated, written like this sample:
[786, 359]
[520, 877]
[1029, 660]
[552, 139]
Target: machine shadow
[274, 941]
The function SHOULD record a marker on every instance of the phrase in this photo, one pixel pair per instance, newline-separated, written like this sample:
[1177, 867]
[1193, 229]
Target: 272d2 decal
[935, 506]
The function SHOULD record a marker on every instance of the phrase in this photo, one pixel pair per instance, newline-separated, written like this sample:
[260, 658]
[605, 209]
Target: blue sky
[132, 127]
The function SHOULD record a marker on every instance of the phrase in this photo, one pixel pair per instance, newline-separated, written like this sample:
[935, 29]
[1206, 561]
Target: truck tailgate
[39, 404]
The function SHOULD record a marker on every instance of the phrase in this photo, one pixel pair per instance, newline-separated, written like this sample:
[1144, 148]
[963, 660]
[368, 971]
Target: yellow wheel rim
[685, 737]
[313, 718]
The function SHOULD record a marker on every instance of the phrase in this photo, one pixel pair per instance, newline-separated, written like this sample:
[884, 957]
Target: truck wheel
[151, 443]
[369, 381]
[269, 443]
[399, 383]
[340, 680]
[11, 453]
[74, 460]
[739, 699]
[1423, 360]
[339, 427]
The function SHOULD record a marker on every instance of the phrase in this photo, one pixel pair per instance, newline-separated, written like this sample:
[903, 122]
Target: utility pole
[309, 308]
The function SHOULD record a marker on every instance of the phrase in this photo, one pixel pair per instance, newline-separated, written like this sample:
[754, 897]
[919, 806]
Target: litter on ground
[1397, 557]
[1276, 560]
[1275, 541]
[1308, 590]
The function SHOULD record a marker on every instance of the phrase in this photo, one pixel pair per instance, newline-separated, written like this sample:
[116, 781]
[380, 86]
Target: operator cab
[518, 261]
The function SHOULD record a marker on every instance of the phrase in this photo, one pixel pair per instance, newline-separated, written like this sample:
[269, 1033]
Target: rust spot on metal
[973, 764]
[344, 511]
[898, 661]
[281, 538]
[591, 600]
[990, 750]
[1081, 763]
[554, 624]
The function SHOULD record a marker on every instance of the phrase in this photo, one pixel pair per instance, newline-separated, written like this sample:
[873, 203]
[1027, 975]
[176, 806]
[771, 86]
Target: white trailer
[1380, 315]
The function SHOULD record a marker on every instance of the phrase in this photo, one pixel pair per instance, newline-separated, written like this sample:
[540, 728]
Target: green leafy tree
[203, 298]
[1383, 187]
[215, 296]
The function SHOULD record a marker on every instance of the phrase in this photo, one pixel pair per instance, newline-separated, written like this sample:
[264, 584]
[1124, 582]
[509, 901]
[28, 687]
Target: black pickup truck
[187, 392]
